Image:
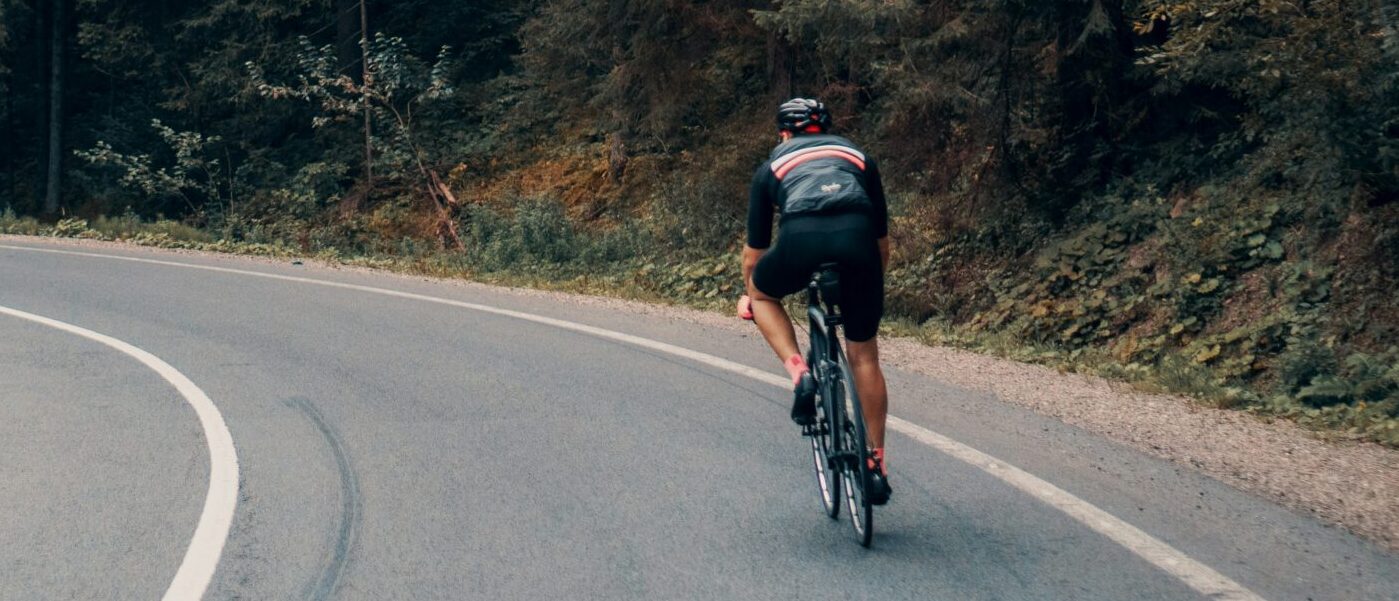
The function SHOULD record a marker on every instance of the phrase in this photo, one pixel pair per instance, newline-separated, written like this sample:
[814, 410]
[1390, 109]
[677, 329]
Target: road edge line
[201, 558]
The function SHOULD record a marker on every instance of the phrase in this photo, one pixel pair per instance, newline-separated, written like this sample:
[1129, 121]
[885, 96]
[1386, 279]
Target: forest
[1198, 197]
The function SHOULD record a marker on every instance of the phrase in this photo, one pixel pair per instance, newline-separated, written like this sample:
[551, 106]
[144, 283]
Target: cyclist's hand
[745, 307]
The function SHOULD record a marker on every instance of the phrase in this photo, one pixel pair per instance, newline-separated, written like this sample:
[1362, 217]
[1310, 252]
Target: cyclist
[832, 210]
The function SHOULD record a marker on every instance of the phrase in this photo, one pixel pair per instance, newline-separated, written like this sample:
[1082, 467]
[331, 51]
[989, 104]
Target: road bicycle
[838, 449]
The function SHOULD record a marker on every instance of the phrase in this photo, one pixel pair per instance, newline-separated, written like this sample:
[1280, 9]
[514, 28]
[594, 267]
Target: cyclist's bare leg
[775, 325]
[869, 382]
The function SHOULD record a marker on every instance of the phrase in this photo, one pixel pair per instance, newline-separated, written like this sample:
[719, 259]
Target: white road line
[202, 555]
[1200, 577]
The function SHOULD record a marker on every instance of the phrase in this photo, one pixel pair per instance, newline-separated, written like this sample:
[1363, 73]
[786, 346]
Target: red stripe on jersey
[823, 154]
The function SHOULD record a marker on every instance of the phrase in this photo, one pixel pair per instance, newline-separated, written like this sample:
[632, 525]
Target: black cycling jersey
[766, 196]
[844, 231]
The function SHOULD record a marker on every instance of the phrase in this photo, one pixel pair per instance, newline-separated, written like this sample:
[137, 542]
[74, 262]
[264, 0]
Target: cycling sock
[877, 458]
[796, 366]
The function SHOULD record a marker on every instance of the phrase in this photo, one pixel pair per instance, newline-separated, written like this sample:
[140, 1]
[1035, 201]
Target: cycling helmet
[799, 115]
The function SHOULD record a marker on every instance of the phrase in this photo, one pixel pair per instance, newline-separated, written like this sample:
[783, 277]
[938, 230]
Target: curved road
[391, 448]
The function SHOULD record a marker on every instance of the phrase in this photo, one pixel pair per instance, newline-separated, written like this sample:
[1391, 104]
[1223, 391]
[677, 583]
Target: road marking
[1200, 577]
[202, 555]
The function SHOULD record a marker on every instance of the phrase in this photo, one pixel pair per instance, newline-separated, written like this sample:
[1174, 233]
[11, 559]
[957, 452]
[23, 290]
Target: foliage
[192, 175]
[537, 233]
[11, 223]
[4, 32]
[398, 88]
[652, 72]
[395, 88]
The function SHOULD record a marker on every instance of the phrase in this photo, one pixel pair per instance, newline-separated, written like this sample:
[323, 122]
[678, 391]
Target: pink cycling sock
[796, 366]
[877, 458]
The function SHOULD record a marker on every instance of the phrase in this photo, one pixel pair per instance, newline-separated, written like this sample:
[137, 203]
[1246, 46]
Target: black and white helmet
[801, 114]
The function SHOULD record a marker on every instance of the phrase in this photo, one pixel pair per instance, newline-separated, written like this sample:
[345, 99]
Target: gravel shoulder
[1354, 485]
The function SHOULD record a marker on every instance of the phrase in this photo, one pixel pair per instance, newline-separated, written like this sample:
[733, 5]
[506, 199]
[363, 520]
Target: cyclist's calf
[869, 379]
[860, 353]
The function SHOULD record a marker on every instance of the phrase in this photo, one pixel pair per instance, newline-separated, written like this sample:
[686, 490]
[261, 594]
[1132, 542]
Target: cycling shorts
[805, 243]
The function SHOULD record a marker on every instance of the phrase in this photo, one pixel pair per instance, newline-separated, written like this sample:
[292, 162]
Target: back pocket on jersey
[824, 186]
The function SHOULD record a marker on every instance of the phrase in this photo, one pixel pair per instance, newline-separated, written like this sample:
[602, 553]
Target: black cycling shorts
[805, 243]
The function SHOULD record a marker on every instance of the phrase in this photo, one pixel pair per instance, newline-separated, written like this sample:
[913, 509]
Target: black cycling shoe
[804, 401]
[879, 491]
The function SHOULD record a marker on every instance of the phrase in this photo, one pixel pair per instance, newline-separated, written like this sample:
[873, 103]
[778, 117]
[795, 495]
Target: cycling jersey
[819, 173]
[814, 175]
[840, 224]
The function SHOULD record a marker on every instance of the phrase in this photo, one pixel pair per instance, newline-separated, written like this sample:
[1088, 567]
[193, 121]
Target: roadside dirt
[1354, 485]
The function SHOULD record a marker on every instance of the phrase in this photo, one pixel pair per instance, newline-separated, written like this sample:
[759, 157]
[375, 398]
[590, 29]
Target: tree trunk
[351, 52]
[40, 105]
[55, 177]
[616, 156]
[444, 201]
[8, 158]
[367, 81]
[779, 68]
[347, 35]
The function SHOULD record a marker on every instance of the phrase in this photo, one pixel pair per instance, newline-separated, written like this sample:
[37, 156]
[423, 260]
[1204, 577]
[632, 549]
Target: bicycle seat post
[827, 280]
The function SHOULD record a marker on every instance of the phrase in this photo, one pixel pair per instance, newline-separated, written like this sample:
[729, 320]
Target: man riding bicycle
[832, 210]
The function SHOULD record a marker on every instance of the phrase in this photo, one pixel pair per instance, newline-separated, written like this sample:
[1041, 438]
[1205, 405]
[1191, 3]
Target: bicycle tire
[856, 469]
[827, 476]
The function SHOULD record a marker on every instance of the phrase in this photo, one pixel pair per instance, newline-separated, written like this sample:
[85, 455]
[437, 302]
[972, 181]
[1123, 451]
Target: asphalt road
[397, 449]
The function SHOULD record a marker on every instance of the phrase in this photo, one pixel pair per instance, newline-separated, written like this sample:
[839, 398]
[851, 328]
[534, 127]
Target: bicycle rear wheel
[855, 470]
[827, 475]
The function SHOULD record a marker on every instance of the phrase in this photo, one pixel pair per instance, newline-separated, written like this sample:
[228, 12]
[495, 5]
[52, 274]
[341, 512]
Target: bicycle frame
[823, 322]
[845, 456]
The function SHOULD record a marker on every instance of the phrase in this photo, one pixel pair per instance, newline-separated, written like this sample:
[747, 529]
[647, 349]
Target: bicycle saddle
[828, 280]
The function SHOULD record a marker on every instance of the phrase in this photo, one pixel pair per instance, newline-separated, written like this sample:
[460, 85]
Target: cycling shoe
[879, 490]
[804, 401]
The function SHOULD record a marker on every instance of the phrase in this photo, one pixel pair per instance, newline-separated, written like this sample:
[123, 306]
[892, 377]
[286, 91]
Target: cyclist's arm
[760, 213]
[750, 261]
[874, 187]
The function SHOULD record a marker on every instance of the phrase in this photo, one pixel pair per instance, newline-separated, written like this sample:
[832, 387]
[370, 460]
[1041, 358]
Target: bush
[14, 224]
[537, 233]
[128, 226]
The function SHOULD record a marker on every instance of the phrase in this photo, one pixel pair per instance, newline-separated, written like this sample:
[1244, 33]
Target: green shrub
[14, 224]
[68, 228]
[696, 215]
[1305, 362]
[128, 226]
[538, 233]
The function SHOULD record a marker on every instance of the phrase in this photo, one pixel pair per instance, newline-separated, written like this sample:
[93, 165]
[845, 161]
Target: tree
[58, 39]
[352, 48]
[397, 87]
[4, 33]
[192, 177]
[647, 72]
[1387, 11]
